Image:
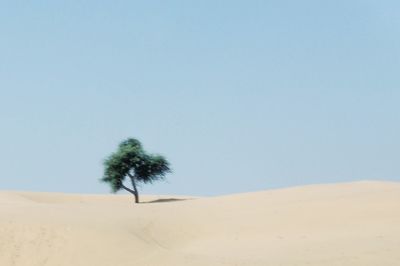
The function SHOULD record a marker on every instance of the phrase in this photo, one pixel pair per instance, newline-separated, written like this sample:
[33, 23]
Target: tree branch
[128, 189]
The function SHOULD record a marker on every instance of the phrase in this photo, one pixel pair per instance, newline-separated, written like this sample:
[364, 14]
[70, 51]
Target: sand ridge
[337, 224]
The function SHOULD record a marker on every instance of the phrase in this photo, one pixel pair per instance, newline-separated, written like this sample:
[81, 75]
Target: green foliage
[130, 158]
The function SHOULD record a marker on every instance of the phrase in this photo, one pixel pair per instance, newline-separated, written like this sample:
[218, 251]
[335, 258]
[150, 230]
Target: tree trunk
[136, 192]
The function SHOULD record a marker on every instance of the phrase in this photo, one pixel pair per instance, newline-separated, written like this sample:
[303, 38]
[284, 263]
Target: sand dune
[341, 224]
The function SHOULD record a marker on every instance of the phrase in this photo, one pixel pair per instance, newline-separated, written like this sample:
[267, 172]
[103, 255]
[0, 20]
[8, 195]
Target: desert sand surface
[337, 224]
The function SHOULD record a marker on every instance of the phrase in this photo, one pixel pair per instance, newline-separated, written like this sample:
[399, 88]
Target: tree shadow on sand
[164, 200]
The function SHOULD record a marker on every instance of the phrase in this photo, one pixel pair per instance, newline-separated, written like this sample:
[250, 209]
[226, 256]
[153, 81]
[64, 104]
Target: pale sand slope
[342, 224]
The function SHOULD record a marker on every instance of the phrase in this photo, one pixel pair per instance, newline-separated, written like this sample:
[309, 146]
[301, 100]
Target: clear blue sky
[239, 95]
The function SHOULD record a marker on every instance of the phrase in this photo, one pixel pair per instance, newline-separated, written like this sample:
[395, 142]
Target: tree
[131, 161]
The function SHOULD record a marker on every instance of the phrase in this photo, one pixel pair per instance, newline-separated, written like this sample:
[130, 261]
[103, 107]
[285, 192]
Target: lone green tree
[130, 161]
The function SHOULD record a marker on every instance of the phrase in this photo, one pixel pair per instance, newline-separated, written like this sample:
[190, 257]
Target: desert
[330, 224]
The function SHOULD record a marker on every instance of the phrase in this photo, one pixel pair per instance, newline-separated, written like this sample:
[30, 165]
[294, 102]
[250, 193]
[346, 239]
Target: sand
[339, 224]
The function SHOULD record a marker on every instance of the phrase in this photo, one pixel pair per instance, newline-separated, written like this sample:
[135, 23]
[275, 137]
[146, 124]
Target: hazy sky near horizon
[239, 95]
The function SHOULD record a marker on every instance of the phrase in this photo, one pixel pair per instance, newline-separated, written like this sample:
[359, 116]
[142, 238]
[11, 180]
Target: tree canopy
[133, 162]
